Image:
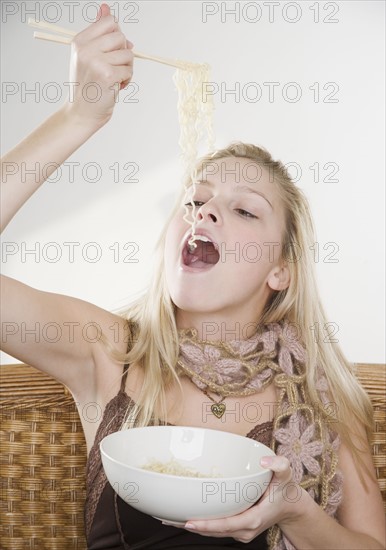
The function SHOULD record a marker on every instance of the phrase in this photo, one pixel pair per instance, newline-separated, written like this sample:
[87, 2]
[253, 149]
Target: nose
[208, 211]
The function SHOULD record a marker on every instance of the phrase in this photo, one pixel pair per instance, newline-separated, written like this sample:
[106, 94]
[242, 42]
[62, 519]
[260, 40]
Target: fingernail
[266, 461]
[190, 526]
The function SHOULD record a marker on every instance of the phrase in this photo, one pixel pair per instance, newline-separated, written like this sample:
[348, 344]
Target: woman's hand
[278, 504]
[101, 65]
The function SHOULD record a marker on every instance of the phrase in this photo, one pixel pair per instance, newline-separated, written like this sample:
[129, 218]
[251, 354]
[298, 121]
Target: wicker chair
[44, 456]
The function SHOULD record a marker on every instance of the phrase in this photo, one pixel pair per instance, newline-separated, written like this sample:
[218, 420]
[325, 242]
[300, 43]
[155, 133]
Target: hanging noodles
[195, 114]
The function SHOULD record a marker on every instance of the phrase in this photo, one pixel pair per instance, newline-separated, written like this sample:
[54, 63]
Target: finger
[119, 57]
[111, 42]
[105, 25]
[280, 465]
[104, 11]
[243, 527]
[121, 74]
[125, 75]
[125, 83]
[171, 524]
[122, 61]
[224, 525]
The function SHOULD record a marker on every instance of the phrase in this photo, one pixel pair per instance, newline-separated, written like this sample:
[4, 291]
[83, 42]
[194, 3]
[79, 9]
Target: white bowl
[240, 480]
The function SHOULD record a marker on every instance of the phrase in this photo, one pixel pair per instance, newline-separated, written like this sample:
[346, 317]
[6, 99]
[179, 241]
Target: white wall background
[290, 43]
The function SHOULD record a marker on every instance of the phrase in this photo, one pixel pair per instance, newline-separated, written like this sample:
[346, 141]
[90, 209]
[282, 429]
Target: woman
[228, 324]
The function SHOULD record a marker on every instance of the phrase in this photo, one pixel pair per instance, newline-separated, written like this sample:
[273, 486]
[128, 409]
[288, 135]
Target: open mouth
[203, 256]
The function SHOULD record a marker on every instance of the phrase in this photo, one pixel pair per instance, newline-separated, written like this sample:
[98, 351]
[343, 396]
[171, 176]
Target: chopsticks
[68, 36]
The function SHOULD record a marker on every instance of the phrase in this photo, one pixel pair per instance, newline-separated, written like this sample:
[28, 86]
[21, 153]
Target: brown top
[112, 524]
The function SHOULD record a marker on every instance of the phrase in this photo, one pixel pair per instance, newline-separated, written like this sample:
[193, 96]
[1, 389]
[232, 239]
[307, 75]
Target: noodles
[195, 114]
[174, 468]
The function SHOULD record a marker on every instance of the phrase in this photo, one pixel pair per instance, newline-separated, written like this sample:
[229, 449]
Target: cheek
[169, 250]
[173, 238]
[263, 247]
[250, 250]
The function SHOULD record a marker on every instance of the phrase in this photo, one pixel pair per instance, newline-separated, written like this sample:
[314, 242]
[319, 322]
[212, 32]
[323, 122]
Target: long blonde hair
[154, 331]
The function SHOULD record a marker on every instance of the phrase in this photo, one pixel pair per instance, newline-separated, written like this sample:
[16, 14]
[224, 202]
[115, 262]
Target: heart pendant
[218, 409]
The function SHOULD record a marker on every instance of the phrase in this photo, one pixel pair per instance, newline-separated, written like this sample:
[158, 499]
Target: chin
[195, 302]
[188, 304]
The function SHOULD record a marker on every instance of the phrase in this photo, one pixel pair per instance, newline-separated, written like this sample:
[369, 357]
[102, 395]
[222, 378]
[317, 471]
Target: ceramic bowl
[232, 478]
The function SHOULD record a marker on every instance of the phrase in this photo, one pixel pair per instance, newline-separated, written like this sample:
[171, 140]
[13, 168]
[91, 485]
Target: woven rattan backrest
[373, 379]
[44, 456]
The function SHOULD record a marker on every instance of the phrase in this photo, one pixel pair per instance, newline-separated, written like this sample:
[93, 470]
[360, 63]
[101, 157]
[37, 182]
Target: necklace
[218, 408]
[236, 369]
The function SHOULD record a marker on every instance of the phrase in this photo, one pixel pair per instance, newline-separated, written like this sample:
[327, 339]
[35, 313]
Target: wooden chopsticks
[68, 35]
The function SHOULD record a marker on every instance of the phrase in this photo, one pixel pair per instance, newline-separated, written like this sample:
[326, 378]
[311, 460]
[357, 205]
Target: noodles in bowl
[234, 479]
[174, 468]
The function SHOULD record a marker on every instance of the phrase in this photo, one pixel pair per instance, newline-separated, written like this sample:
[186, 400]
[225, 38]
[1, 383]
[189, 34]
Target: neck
[217, 326]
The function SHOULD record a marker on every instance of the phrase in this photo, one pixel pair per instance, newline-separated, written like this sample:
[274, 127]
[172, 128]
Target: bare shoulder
[362, 507]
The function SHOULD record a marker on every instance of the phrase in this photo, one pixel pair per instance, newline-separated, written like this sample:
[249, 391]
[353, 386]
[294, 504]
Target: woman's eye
[197, 204]
[245, 213]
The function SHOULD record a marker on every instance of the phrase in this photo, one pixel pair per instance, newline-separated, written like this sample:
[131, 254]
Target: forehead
[241, 174]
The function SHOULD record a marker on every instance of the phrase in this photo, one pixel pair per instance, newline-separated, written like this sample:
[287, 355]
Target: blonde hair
[154, 331]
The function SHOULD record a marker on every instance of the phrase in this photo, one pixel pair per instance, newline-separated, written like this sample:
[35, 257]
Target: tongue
[204, 254]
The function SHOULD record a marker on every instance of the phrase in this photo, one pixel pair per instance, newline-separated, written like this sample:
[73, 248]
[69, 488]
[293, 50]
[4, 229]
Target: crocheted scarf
[302, 431]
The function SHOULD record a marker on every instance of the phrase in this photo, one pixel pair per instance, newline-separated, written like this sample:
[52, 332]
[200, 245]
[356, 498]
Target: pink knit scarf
[302, 430]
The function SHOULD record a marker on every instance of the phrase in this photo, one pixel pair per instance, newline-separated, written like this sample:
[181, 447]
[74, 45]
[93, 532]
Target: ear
[279, 278]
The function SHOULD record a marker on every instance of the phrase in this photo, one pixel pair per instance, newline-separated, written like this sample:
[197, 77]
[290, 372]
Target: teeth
[202, 238]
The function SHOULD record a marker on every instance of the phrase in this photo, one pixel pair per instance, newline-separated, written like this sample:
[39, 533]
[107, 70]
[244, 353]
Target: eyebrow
[239, 189]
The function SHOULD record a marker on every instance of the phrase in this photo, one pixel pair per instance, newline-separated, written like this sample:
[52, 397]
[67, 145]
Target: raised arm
[100, 54]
